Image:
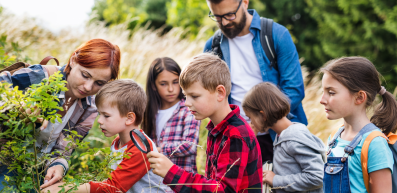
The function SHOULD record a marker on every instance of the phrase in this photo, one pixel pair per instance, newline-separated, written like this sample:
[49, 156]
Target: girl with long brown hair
[167, 120]
[350, 86]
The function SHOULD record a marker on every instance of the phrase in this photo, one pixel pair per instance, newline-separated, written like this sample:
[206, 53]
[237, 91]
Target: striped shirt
[180, 136]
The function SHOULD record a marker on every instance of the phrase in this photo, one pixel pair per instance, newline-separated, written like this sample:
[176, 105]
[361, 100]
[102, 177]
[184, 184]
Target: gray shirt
[298, 161]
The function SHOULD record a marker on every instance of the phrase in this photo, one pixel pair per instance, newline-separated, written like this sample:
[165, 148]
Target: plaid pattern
[34, 74]
[233, 160]
[181, 128]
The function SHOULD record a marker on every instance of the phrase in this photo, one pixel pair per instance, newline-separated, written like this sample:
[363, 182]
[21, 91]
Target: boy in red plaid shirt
[234, 162]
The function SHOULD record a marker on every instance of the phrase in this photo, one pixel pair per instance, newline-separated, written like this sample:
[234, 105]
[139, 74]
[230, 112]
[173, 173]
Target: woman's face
[83, 82]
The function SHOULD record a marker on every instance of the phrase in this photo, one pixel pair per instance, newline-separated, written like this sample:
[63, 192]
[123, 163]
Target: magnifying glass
[140, 141]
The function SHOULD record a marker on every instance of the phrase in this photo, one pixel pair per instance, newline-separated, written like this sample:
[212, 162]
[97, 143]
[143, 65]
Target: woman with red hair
[90, 67]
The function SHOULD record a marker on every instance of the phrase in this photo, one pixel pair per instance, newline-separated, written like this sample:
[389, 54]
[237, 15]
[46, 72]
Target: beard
[236, 29]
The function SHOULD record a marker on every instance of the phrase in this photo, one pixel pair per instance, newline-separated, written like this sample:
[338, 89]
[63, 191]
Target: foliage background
[146, 29]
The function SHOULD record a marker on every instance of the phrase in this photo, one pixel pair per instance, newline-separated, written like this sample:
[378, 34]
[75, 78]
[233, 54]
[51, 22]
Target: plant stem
[35, 158]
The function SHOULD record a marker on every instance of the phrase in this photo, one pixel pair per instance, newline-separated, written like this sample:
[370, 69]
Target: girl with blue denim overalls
[350, 85]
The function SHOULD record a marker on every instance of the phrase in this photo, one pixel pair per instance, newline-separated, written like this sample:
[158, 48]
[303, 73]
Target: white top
[244, 68]
[162, 118]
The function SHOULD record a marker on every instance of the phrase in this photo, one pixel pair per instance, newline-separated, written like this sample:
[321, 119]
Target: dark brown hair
[268, 98]
[209, 70]
[359, 74]
[126, 95]
[97, 53]
[153, 97]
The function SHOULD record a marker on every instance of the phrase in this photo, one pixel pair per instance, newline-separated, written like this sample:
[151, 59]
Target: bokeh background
[147, 29]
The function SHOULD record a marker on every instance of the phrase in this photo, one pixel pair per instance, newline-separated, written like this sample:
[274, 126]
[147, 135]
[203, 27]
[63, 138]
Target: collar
[85, 102]
[256, 20]
[182, 103]
[224, 123]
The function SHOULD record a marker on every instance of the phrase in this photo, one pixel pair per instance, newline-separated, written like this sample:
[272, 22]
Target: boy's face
[110, 120]
[201, 102]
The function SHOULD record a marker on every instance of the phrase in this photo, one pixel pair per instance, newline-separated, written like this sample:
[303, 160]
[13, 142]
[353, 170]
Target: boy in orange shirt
[121, 104]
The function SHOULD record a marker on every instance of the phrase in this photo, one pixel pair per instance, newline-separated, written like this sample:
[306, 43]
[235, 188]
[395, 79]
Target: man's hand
[159, 149]
[54, 174]
[159, 163]
[268, 177]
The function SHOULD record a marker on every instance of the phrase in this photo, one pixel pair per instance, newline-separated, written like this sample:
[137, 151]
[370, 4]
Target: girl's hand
[268, 177]
[159, 163]
[159, 149]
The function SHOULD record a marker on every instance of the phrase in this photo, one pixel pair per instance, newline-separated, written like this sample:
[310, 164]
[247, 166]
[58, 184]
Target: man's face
[232, 28]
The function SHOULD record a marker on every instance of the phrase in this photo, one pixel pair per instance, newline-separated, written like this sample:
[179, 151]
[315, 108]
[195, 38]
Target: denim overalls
[336, 170]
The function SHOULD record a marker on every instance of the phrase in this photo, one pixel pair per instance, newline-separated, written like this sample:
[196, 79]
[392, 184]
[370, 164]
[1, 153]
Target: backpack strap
[267, 41]
[364, 155]
[216, 43]
[392, 138]
[48, 58]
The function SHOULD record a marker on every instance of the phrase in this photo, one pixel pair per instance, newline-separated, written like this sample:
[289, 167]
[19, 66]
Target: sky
[52, 14]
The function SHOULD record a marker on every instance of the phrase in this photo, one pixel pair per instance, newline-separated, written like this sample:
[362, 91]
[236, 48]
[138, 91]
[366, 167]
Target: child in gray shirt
[298, 155]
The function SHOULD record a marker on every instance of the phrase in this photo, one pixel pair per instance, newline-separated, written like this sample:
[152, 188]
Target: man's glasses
[228, 16]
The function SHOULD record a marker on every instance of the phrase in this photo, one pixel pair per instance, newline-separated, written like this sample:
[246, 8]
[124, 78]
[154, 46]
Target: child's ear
[221, 93]
[130, 118]
[360, 97]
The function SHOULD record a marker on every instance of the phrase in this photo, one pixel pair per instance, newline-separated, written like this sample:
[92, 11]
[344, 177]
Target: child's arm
[83, 188]
[190, 134]
[312, 167]
[380, 181]
[132, 169]
[228, 175]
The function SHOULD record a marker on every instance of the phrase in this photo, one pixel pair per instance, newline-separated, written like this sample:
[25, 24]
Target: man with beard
[241, 48]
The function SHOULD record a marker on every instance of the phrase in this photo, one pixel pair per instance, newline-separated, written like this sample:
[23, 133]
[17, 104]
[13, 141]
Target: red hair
[97, 53]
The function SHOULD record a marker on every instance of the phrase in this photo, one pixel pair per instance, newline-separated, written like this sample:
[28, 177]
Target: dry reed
[138, 50]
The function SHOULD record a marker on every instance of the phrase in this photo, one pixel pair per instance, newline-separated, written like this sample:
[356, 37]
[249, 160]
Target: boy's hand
[268, 177]
[159, 163]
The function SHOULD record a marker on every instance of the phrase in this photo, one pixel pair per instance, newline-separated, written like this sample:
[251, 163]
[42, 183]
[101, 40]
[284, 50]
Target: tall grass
[138, 50]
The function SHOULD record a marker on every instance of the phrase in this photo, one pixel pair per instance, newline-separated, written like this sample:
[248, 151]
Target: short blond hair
[126, 95]
[209, 70]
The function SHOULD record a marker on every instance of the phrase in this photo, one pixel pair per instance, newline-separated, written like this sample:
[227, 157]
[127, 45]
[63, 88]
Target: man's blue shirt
[289, 75]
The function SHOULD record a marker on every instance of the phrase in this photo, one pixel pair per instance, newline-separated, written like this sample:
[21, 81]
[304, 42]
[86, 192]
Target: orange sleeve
[132, 169]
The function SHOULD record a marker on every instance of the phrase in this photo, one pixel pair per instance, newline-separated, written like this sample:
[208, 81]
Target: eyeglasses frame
[223, 16]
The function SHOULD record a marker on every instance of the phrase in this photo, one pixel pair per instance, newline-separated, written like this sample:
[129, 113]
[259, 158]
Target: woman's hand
[54, 174]
[53, 188]
[159, 163]
[268, 177]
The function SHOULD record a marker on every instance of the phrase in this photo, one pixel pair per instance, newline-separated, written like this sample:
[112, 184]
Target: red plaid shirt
[181, 128]
[234, 160]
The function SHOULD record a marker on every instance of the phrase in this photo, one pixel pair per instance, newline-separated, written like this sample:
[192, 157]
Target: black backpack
[266, 41]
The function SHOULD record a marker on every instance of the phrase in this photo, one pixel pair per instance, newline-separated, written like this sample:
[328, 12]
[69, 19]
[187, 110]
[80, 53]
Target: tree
[294, 15]
[363, 27]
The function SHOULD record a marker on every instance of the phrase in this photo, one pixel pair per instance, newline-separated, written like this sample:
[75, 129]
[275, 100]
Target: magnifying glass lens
[138, 141]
